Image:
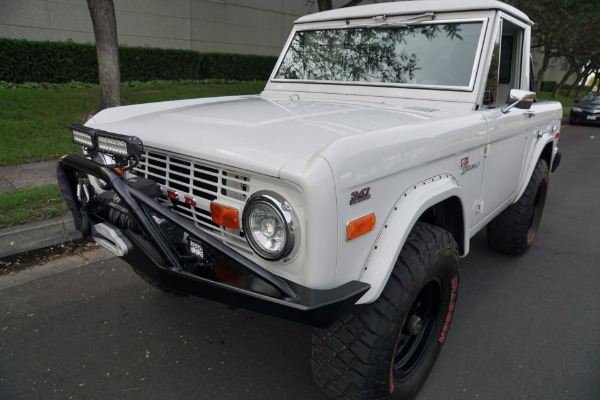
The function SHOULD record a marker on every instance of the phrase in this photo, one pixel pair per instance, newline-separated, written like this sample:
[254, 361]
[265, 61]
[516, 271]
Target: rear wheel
[386, 349]
[513, 231]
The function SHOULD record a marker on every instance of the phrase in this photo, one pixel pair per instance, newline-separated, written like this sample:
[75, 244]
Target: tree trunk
[596, 81]
[577, 84]
[582, 83]
[542, 71]
[586, 73]
[107, 49]
[559, 86]
[574, 85]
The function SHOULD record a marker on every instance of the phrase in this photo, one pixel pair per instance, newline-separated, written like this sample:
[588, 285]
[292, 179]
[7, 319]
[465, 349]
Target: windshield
[435, 54]
[591, 98]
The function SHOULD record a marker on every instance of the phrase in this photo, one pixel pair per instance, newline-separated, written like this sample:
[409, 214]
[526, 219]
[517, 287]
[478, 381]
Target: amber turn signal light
[225, 216]
[361, 226]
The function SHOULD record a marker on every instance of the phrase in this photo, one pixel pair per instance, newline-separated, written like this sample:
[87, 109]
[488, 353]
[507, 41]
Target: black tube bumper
[152, 254]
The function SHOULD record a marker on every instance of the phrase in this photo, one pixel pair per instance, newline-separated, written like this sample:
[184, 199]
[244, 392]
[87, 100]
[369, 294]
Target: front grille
[200, 182]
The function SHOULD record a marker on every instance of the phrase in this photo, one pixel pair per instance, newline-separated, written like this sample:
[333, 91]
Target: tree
[107, 50]
[595, 81]
[559, 31]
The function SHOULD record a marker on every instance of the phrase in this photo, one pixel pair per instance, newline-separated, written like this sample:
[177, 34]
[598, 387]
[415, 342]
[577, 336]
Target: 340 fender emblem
[357, 197]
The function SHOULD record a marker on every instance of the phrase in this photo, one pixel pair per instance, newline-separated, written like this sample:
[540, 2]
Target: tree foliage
[564, 29]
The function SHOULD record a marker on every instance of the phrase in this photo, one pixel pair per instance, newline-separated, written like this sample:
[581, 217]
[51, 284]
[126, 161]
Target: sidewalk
[17, 177]
[22, 238]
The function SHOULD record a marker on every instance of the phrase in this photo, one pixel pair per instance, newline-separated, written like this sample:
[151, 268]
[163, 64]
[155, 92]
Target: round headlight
[269, 226]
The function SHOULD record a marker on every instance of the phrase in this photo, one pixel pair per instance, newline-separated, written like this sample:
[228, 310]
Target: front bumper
[149, 251]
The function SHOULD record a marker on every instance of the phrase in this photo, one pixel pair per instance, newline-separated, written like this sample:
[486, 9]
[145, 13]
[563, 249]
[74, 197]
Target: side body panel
[407, 171]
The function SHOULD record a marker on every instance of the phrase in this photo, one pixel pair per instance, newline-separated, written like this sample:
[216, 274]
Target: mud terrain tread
[343, 357]
[507, 233]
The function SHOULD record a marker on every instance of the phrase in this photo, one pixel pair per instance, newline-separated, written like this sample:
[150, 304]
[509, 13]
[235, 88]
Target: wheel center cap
[414, 325]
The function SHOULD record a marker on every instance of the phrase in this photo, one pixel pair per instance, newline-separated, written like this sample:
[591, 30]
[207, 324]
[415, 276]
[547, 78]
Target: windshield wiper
[406, 22]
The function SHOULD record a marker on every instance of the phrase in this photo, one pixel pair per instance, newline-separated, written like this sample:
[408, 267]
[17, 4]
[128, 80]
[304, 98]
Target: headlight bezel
[285, 213]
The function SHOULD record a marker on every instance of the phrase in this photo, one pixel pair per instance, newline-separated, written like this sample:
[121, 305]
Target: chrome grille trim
[201, 181]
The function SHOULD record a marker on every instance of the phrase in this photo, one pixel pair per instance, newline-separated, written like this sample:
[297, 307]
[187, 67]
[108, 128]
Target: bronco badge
[466, 167]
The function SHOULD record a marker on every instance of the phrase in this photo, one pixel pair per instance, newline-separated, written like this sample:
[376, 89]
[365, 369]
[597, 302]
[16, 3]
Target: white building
[228, 26]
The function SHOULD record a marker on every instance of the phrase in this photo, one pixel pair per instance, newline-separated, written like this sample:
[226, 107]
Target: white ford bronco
[342, 196]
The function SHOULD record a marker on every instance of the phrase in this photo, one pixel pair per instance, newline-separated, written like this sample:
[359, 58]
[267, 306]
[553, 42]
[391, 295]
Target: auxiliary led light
[83, 139]
[196, 249]
[112, 144]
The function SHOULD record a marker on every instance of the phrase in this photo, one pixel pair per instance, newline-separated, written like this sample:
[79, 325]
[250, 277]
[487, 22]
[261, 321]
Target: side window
[505, 67]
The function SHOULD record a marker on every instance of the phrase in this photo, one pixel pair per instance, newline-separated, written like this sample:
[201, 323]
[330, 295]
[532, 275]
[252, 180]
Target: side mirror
[522, 99]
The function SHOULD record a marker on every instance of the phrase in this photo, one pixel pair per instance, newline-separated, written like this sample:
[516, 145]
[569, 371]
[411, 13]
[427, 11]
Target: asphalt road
[525, 328]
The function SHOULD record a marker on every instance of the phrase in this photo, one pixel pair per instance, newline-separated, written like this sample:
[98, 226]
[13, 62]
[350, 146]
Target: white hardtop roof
[413, 7]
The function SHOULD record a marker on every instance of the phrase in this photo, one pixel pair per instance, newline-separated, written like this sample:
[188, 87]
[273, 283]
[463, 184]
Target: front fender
[407, 209]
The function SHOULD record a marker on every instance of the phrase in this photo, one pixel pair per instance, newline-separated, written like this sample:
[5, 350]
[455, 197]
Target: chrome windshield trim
[374, 24]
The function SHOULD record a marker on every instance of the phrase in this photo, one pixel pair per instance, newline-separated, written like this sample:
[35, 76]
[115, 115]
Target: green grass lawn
[33, 122]
[33, 127]
[27, 205]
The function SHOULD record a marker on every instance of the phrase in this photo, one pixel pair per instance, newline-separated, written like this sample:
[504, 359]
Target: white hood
[252, 132]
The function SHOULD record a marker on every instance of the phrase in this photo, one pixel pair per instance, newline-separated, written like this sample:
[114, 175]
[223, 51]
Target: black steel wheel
[513, 231]
[386, 349]
[418, 329]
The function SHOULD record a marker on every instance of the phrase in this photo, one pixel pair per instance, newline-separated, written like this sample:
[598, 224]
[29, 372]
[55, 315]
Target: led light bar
[112, 144]
[119, 145]
[84, 136]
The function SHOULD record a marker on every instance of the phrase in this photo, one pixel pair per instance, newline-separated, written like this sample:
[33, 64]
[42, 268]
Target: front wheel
[386, 349]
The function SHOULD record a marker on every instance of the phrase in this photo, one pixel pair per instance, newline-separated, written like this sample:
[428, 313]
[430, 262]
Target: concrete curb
[54, 267]
[22, 238]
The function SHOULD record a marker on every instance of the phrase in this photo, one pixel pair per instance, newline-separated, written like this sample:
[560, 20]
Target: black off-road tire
[378, 350]
[513, 231]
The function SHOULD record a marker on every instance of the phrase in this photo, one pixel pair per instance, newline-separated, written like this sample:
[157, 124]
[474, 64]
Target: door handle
[529, 113]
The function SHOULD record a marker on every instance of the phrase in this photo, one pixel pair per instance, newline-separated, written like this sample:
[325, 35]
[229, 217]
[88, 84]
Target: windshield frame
[484, 21]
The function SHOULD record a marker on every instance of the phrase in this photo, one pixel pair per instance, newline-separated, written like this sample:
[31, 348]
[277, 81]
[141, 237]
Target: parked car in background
[586, 110]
